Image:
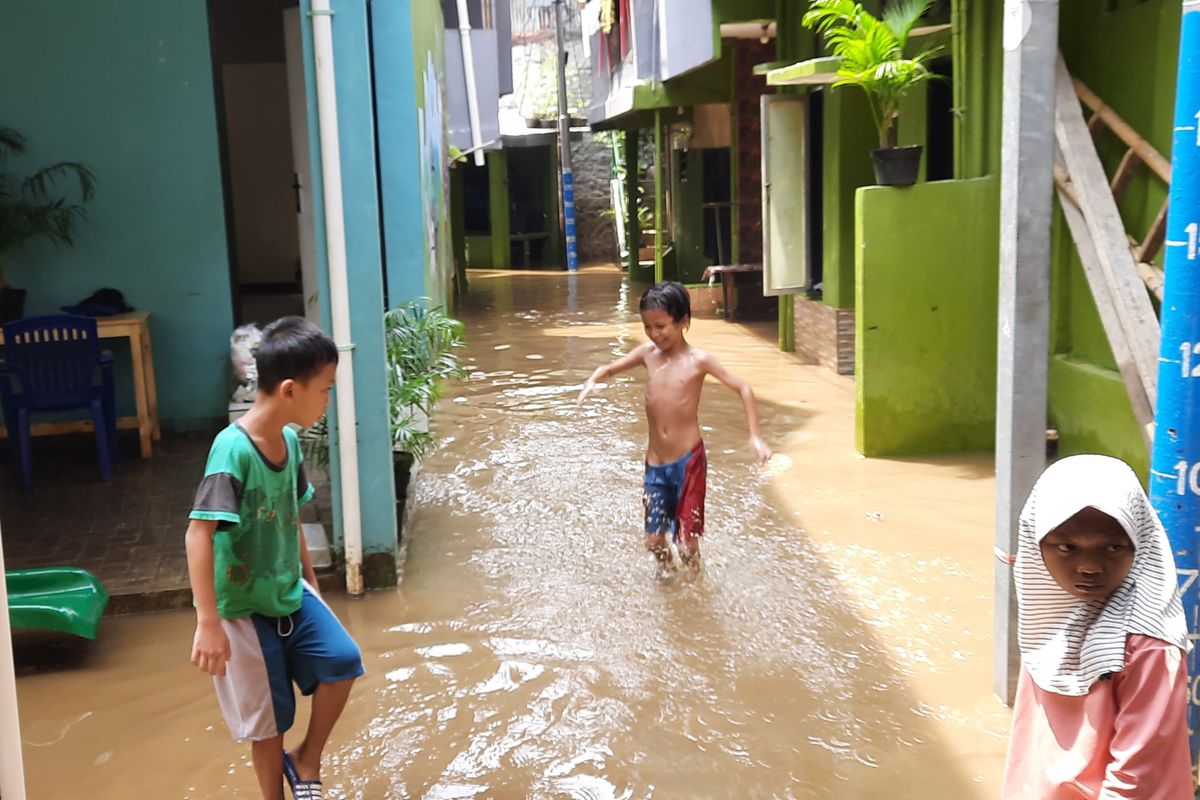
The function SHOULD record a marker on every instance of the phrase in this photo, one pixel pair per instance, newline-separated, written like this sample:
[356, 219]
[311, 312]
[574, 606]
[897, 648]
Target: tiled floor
[127, 531]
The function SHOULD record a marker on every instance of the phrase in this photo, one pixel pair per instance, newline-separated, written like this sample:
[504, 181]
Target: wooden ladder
[1118, 266]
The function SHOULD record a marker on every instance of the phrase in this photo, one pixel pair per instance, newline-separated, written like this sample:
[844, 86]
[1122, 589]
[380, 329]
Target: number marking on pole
[1188, 477]
[1189, 576]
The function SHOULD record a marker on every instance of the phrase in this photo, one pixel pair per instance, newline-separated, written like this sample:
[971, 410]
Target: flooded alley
[838, 645]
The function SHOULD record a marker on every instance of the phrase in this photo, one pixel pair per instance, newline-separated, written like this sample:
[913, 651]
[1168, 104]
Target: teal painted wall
[126, 87]
[1128, 57]
[364, 258]
[926, 318]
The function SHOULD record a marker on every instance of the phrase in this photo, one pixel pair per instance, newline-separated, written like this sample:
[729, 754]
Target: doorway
[262, 126]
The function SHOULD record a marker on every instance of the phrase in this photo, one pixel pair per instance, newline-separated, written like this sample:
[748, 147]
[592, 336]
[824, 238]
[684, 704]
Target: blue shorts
[269, 654]
[674, 496]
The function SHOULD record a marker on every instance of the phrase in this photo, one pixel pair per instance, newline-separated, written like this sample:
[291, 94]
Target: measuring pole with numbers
[564, 139]
[1175, 466]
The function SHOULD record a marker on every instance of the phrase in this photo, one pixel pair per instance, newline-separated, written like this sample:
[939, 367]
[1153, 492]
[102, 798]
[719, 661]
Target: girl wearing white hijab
[1101, 703]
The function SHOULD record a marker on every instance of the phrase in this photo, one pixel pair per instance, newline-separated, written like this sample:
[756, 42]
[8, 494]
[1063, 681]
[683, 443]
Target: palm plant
[422, 350]
[422, 347]
[872, 53]
[27, 210]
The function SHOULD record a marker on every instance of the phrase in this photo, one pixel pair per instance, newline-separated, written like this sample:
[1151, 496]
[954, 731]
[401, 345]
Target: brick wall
[825, 335]
[748, 88]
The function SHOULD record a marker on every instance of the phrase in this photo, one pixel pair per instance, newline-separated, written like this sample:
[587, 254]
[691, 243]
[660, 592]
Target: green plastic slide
[65, 599]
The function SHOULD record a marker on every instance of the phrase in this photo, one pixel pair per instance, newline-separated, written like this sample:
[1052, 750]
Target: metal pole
[564, 141]
[468, 57]
[633, 226]
[1175, 465]
[339, 292]
[1026, 209]
[660, 177]
[12, 775]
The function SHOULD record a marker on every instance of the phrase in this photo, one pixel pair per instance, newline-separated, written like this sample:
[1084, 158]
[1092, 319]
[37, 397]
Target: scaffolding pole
[1175, 465]
[1026, 209]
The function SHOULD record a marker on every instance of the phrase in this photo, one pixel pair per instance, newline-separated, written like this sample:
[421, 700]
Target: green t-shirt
[256, 503]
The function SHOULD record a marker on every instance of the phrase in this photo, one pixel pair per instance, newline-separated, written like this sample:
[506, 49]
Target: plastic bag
[243, 347]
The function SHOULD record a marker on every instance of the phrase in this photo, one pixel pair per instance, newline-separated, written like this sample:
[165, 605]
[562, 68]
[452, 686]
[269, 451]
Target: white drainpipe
[468, 55]
[12, 774]
[339, 291]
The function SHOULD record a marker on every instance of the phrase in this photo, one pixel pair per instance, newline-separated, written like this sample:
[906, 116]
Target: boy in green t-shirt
[260, 622]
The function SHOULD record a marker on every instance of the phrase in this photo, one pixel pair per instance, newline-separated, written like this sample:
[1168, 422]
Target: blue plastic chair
[54, 363]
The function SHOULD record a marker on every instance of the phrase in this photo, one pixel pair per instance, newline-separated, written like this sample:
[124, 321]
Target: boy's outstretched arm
[718, 371]
[623, 364]
[210, 647]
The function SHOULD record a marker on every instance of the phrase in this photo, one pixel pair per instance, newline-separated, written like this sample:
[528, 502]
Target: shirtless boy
[676, 465]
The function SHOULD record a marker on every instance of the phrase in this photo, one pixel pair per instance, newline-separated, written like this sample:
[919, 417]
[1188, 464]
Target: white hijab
[1067, 644]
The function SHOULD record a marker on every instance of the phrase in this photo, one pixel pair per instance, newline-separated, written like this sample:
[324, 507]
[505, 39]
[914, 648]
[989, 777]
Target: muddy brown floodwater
[837, 646]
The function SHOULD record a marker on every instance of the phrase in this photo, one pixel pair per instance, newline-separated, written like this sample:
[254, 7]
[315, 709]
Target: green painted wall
[736, 10]
[687, 197]
[126, 87]
[793, 41]
[978, 74]
[479, 252]
[458, 224]
[497, 164]
[1128, 57]
[850, 135]
[926, 317]
[1091, 410]
[429, 65]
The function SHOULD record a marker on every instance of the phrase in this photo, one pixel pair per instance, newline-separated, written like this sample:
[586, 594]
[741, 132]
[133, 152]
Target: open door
[302, 162]
[785, 224]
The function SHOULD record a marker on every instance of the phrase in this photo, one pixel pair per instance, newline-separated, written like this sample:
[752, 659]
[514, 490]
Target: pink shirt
[1127, 738]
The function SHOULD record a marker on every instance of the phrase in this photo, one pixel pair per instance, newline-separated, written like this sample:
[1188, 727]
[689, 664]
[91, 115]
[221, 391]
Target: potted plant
[872, 58]
[27, 211]
[422, 351]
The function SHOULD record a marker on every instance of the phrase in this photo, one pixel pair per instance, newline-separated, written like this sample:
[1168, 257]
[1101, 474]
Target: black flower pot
[402, 467]
[897, 166]
[12, 304]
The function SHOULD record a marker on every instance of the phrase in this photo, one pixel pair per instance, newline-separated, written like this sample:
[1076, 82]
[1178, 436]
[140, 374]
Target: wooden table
[134, 326]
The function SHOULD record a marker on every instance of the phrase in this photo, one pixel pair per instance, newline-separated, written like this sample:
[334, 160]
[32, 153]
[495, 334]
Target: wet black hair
[292, 348]
[670, 296]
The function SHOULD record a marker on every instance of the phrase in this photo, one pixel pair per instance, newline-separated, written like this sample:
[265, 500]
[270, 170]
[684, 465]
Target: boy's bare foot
[689, 554]
[664, 560]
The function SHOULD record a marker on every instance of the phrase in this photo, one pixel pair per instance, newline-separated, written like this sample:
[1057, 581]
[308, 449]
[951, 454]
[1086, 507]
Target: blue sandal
[301, 790]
